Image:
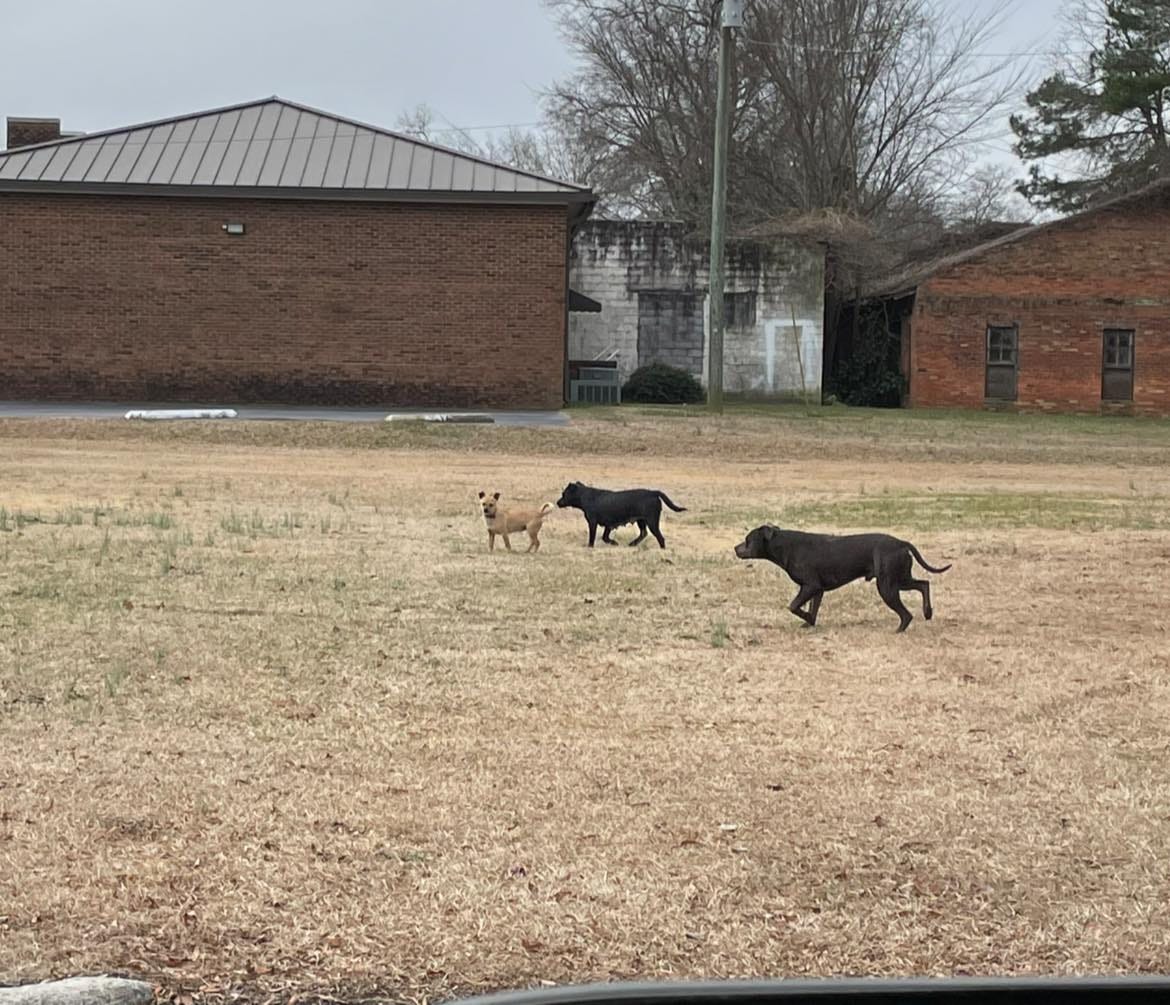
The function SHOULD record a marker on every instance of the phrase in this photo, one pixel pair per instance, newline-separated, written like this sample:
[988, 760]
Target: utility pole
[731, 17]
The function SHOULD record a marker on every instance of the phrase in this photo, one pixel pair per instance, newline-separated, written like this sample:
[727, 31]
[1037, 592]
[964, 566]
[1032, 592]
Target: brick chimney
[26, 132]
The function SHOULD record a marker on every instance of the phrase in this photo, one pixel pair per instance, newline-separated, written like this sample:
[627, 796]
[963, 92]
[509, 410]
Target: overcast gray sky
[475, 62]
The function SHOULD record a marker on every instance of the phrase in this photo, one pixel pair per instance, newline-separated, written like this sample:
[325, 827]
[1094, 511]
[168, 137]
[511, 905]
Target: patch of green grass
[114, 679]
[958, 510]
[719, 635]
[255, 524]
[68, 518]
[233, 523]
[133, 518]
[43, 589]
[103, 550]
[16, 519]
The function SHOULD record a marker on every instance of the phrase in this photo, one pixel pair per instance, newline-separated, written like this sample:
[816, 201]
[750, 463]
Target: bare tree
[644, 99]
[549, 151]
[860, 106]
[422, 122]
[987, 195]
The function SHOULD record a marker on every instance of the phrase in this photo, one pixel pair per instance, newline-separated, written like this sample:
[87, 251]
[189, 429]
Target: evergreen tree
[1105, 116]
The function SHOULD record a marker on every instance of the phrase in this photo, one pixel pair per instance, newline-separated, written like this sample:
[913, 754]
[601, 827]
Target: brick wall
[143, 298]
[629, 265]
[1062, 286]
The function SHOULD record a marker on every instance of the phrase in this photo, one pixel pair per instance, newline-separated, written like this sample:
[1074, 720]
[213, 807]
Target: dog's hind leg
[507, 543]
[641, 534]
[806, 594]
[902, 567]
[923, 587]
[888, 587]
[652, 522]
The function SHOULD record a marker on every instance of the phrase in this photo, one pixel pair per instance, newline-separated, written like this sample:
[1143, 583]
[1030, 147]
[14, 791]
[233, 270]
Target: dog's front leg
[491, 540]
[507, 543]
[815, 607]
[806, 594]
[592, 532]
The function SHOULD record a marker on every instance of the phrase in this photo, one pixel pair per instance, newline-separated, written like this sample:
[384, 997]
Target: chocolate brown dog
[818, 563]
[511, 521]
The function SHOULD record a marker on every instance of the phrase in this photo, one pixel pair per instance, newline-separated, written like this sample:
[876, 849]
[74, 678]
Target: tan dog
[511, 521]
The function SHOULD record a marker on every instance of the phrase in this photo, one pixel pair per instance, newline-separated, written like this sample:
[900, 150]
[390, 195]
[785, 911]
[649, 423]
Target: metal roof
[271, 147]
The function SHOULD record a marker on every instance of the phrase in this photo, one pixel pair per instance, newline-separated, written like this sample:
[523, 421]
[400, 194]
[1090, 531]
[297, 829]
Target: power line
[477, 129]
[978, 53]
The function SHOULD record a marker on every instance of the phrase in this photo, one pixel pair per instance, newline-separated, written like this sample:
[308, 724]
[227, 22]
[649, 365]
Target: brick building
[269, 252]
[651, 282]
[1071, 315]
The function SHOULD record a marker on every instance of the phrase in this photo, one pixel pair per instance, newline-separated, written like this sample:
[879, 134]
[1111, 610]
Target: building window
[1003, 358]
[739, 309]
[670, 329]
[1117, 365]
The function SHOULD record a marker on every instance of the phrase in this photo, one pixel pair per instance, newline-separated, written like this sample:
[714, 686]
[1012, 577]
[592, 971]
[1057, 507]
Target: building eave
[582, 201]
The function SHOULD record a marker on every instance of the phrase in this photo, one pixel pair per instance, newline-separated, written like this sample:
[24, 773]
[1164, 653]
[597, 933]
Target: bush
[870, 376]
[659, 384]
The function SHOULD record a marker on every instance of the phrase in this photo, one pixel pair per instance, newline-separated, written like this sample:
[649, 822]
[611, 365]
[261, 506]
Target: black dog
[818, 563]
[609, 510]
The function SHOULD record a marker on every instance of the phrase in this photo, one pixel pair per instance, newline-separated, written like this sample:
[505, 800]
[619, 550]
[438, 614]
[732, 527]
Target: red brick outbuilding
[270, 252]
[1070, 316]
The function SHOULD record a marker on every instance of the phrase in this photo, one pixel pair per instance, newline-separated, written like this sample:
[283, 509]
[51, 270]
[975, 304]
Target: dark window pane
[1117, 385]
[739, 309]
[1118, 353]
[1117, 365]
[1001, 345]
[1001, 382]
[1001, 363]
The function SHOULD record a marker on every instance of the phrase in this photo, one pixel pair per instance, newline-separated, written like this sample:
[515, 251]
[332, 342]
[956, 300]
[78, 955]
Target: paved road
[295, 413]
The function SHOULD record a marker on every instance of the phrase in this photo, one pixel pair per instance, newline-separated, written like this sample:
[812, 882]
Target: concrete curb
[80, 991]
[164, 414]
[441, 417]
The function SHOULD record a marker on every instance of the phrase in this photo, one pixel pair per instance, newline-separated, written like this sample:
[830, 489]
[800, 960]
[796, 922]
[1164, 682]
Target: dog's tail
[665, 499]
[547, 508]
[922, 561]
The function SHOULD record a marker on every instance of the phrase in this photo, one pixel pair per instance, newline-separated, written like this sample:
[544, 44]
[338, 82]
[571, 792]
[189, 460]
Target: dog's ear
[495, 495]
[769, 531]
[481, 495]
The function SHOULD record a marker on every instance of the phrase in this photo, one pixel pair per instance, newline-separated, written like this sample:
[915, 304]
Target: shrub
[659, 384]
[870, 375]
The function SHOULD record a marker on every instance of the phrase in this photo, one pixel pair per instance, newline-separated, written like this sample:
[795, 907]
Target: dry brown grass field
[274, 721]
